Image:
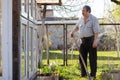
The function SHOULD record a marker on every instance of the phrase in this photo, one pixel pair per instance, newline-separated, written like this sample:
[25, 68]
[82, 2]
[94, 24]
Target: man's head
[86, 10]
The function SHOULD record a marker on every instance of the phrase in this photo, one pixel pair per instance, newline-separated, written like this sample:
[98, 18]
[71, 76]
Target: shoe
[83, 75]
[93, 78]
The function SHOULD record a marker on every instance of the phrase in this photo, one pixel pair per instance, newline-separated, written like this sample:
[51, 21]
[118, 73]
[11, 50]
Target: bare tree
[113, 17]
[71, 8]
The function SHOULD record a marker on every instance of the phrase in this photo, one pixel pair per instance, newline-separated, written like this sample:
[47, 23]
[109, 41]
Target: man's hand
[95, 42]
[74, 30]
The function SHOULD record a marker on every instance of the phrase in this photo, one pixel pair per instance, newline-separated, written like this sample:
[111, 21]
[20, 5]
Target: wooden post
[64, 57]
[43, 25]
[47, 44]
[16, 38]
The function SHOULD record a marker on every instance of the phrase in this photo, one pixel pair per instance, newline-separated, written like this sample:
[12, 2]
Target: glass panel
[30, 8]
[34, 8]
[0, 39]
[34, 49]
[23, 54]
[23, 5]
[30, 49]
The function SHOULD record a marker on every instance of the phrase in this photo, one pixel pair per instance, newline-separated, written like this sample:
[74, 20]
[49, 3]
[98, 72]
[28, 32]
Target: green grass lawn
[107, 60]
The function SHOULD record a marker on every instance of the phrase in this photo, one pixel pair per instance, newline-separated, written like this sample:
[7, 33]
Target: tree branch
[115, 1]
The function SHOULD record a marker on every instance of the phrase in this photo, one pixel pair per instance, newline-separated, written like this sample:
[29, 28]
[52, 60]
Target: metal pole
[64, 45]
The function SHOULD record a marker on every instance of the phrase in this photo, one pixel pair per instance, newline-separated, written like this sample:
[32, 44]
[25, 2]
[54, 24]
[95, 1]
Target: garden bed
[113, 74]
[48, 76]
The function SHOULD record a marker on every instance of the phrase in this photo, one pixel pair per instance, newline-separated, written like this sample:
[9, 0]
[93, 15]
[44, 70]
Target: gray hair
[88, 9]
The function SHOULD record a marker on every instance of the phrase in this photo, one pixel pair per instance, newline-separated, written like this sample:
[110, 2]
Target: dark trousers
[85, 48]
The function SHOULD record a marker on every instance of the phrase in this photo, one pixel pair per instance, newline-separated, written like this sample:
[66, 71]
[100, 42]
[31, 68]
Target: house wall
[56, 36]
[49, 13]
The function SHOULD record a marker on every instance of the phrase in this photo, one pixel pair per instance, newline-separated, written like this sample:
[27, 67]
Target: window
[24, 6]
[23, 53]
[0, 39]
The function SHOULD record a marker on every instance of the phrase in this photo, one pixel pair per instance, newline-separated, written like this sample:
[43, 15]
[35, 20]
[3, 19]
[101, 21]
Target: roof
[58, 18]
[49, 2]
[67, 21]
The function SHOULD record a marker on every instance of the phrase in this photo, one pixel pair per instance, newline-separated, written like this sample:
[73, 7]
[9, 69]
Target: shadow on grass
[108, 58]
[60, 55]
[55, 55]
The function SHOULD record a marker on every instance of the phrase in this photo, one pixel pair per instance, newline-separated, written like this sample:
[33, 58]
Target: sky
[97, 8]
